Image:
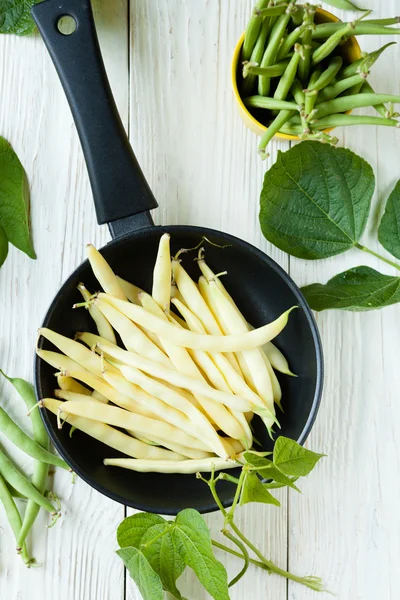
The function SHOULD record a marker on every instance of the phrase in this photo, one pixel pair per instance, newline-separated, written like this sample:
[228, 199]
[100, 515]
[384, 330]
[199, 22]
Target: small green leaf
[132, 529]
[292, 459]
[315, 200]
[192, 538]
[257, 459]
[3, 246]
[164, 558]
[344, 5]
[273, 473]
[254, 491]
[15, 16]
[143, 575]
[389, 229]
[14, 200]
[357, 289]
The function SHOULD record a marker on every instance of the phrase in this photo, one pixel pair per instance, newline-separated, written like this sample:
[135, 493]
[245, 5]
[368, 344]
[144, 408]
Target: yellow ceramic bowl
[350, 50]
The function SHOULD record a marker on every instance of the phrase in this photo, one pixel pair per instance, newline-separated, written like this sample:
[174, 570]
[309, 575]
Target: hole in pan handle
[119, 187]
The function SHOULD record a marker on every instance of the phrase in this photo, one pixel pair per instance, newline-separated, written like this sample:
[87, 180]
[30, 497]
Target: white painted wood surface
[169, 64]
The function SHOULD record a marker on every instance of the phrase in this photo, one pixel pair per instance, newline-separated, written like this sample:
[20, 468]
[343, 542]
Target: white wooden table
[169, 64]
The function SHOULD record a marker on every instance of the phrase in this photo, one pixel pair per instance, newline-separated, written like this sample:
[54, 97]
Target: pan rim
[242, 245]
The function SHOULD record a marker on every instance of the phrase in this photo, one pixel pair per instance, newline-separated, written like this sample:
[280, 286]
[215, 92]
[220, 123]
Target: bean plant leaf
[193, 541]
[254, 491]
[344, 5]
[389, 228]
[164, 558]
[15, 16]
[315, 200]
[139, 568]
[292, 459]
[273, 473]
[357, 289]
[257, 459]
[3, 246]
[132, 529]
[14, 200]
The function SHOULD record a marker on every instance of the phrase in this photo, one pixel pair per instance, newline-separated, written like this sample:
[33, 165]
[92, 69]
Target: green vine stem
[245, 556]
[386, 260]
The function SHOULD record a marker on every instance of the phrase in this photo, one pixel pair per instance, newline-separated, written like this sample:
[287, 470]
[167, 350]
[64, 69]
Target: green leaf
[273, 473]
[257, 459]
[143, 575]
[254, 491]
[3, 246]
[14, 200]
[164, 558]
[192, 538]
[344, 5]
[357, 289]
[132, 529]
[389, 229]
[315, 200]
[292, 459]
[15, 16]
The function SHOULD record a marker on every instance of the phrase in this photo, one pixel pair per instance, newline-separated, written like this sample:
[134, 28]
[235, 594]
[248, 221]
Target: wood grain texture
[169, 64]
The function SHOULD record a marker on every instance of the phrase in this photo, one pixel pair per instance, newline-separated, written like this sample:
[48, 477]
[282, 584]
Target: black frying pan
[123, 199]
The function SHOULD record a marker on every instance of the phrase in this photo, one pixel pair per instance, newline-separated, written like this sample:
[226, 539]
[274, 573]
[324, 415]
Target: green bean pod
[256, 57]
[346, 103]
[331, 43]
[380, 108]
[327, 76]
[271, 51]
[268, 103]
[337, 88]
[300, 98]
[289, 75]
[272, 71]
[274, 127]
[389, 21]
[20, 439]
[288, 43]
[340, 120]
[271, 11]
[252, 31]
[22, 484]
[325, 30]
[363, 64]
[14, 518]
[311, 96]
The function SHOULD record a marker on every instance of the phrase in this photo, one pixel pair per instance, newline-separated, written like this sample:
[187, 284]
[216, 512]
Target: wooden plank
[203, 167]
[345, 526]
[78, 553]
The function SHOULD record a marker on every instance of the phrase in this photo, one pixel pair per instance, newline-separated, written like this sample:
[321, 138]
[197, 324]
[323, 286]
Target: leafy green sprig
[156, 551]
[315, 203]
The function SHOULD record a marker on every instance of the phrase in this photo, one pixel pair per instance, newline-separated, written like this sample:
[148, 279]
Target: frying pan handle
[119, 187]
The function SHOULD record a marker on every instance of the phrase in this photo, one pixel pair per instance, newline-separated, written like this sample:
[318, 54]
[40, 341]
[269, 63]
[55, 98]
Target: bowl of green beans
[281, 72]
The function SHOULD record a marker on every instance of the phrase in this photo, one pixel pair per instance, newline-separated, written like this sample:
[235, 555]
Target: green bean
[380, 108]
[274, 127]
[14, 492]
[271, 51]
[298, 15]
[327, 76]
[289, 129]
[364, 64]
[389, 21]
[311, 96]
[300, 98]
[256, 57]
[271, 11]
[268, 103]
[346, 103]
[325, 30]
[340, 120]
[306, 42]
[289, 42]
[272, 71]
[289, 75]
[252, 31]
[22, 484]
[13, 516]
[337, 88]
[20, 439]
[331, 43]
